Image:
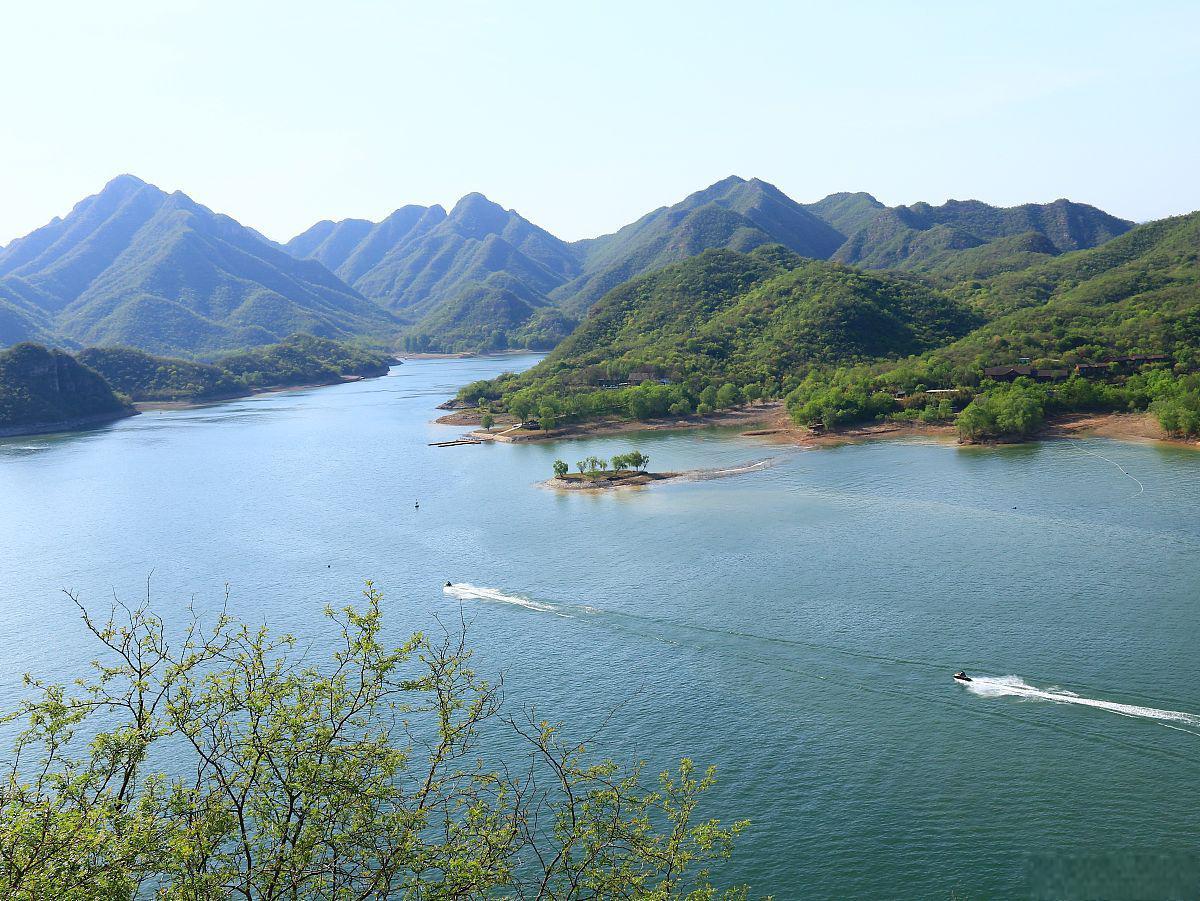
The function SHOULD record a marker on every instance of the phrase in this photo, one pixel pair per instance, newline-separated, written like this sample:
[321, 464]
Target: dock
[455, 442]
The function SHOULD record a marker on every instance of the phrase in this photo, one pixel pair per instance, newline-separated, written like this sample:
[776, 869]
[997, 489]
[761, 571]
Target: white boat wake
[1014, 686]
[465, 591]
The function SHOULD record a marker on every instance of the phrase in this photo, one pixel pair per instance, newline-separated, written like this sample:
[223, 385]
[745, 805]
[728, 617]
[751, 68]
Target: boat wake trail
[1124, 471]
[1014, 686]
[701, 475]
[465, 591]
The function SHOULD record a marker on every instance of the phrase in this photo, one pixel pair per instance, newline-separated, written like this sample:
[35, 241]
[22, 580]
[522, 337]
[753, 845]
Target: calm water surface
[797, 626]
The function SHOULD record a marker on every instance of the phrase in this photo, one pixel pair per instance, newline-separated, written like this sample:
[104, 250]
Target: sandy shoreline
[771, 422]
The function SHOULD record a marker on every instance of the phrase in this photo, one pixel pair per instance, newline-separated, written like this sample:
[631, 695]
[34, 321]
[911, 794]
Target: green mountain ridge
[751, 320]
[1139, 293]
[733, 213]
[471, 279]
[906, 237]
[134, 265]
[478, 277]
[843, 343]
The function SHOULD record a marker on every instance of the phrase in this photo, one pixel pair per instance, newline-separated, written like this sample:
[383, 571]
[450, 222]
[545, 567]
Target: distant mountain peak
[473, 204]
[474, 216]
[124, 181]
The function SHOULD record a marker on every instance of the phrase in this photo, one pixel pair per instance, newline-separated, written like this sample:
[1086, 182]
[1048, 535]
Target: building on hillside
[1011, 373]
[645, 374]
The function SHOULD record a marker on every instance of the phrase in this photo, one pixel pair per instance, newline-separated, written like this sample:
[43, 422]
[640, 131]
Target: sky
[583, 116]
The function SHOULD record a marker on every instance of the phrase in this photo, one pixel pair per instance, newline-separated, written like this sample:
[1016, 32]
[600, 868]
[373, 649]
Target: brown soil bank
[1118, 426]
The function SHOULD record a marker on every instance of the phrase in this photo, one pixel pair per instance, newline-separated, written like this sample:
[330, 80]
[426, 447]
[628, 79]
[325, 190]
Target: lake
[797, 626]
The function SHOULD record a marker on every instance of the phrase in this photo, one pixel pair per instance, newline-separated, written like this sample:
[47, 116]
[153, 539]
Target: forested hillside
[1115, 327]
[753, 322]
[1112, 327]
[43, 390]
[141, 376]
[136, 266]
[484, 278]
[476, 278]
[920, 236]
[734, 214]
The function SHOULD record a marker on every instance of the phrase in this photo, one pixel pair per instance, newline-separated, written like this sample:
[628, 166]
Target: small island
[596, 473]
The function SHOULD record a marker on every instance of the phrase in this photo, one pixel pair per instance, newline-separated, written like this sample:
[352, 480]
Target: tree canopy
[366, 775]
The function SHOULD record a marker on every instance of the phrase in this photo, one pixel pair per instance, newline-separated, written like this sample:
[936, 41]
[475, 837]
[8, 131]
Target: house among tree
[645, 374]
[1012, 373]
[1131, 361]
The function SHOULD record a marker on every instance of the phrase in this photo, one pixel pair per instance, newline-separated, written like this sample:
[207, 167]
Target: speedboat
[962, 677]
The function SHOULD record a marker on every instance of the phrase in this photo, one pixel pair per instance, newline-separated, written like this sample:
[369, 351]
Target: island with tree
[597, 473]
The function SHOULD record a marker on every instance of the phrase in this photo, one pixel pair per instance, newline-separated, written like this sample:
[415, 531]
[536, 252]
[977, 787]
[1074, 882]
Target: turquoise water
[797, 626]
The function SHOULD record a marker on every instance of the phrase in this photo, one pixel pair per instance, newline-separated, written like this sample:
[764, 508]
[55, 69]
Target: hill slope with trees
[906, 237]
[45, 390]
[1108, 328]
[729, 325]
[297, 360]
[136, 266]
[733, 214]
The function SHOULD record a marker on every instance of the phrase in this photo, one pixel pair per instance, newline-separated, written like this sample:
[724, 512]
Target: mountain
[847, 212]
[1139, 293]
[471, 279]
[136, 266]
[23, 313]
[1116, 327]
[1008, 254]
[757, 321]
[917, 236]
[734, 213]
[482, 277]
[44, 390]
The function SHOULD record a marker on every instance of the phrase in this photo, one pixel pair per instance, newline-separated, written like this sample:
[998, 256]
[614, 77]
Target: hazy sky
[583, 116]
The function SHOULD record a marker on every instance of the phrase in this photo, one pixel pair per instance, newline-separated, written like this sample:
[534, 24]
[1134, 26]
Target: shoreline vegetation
[770, 420]
[996, 352]
[45, 391]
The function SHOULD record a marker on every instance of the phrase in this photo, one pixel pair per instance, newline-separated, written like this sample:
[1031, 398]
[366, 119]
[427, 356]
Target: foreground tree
[360, 778]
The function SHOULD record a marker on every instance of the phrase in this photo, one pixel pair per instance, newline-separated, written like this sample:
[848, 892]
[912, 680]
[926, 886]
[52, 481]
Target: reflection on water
[796, 625]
